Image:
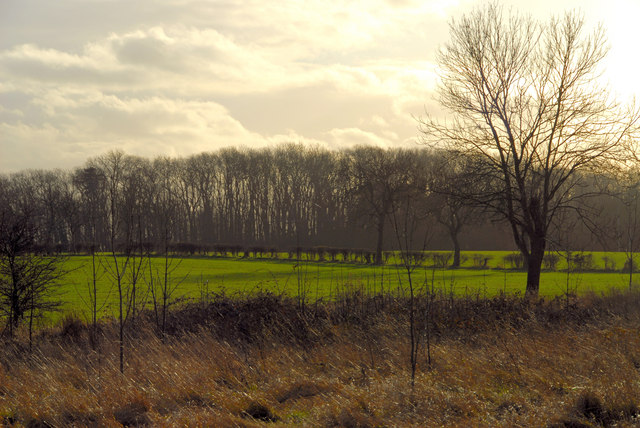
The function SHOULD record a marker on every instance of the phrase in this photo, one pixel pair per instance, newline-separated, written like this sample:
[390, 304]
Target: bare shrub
[514, 260]
[480, 261]
[440, 260]
[550, 261]
[581, 262]
[609, 264]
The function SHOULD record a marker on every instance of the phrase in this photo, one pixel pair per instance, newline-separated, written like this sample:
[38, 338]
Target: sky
[176, 77]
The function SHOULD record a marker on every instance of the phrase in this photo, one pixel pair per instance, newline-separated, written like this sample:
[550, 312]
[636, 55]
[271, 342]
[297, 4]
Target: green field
[195, 277]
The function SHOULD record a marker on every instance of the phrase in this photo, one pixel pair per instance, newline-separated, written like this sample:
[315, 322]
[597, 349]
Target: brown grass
[261, 362]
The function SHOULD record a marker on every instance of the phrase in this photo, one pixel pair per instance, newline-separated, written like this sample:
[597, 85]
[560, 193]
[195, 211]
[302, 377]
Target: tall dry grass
[259, 361]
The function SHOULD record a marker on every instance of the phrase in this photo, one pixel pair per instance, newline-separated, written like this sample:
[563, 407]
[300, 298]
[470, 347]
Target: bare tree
[160, 283]
[27, 280]
[527, 104]
[624, 218]
[452, 211]
[408, 213]
[90, 183]
[124, 226]
[379, 177]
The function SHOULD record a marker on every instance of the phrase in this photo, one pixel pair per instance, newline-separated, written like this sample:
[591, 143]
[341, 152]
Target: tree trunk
[456, 249]
[534, 266]
[381, 219]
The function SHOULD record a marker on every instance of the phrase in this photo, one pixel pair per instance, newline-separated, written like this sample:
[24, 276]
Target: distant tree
[526, 102]
[162, 286]
[90, 184]
[378, 179]
[27, 280]
[450, 209]
[121, 174]
[624, 218]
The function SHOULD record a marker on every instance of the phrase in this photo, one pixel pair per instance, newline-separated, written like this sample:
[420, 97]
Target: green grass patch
[195, 277]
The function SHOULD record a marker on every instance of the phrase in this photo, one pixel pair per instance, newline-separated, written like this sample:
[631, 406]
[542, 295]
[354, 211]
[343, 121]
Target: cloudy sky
[176, 77]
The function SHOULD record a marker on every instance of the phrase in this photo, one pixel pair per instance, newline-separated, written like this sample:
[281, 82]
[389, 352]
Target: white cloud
[350, 137]
[181, 76]
[147, 127]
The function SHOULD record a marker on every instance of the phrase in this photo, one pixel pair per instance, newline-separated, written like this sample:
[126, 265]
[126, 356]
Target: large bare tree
[527, 105]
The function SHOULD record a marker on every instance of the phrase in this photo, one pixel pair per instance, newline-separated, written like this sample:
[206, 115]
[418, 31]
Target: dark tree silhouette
[526, 102]
[27, 280]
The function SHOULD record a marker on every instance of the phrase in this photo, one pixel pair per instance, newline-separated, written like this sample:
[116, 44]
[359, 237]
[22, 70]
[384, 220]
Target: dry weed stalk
[497, 362]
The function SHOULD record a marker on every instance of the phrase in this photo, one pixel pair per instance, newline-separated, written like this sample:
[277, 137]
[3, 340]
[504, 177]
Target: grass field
[195, 277]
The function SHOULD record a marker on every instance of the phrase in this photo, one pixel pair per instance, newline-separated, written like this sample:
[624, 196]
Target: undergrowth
[268, 360]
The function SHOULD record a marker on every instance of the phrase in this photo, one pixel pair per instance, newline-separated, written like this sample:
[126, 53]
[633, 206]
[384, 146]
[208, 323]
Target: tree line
[284, 197]
[275, 199]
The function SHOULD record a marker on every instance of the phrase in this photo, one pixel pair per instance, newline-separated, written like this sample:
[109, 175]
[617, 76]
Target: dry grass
[260, 362]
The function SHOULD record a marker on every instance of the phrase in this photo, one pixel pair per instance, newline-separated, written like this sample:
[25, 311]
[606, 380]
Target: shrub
[333, 253]
[514, 260]
[370, 256]
[581, 262]
[72, 328]
[220, 249]
[358, 254]
[416, 257]
[550, 261]
[480, 261]
[441, 260]
[609, 264]
[258, 250]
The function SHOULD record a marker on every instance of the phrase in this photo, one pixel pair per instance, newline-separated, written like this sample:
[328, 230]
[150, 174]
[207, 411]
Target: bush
[257, 250]
[415, 257]
[609, 264]
[370, 256]
[480, 261]
[550, 261]
[581, 262]
[514, 260]
[321, 253]
[221, 249]
[441, 260]
[72, 328]
[590, 407]
[333, 253]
